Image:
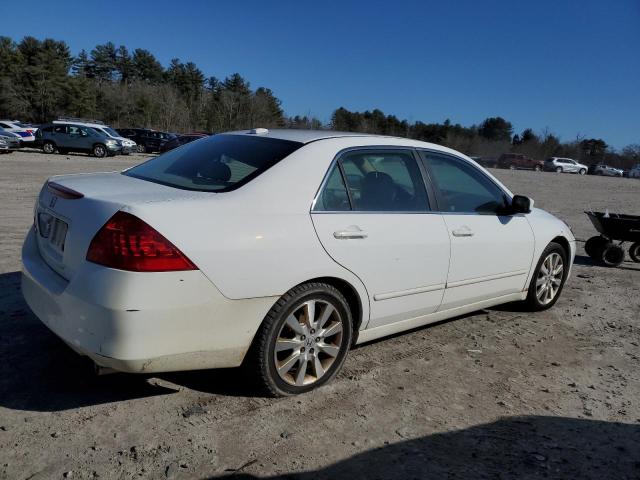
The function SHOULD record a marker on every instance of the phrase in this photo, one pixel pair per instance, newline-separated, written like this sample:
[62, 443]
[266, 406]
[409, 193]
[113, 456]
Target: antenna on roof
[258, 131]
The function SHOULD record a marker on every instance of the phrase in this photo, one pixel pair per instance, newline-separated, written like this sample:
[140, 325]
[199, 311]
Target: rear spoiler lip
[63, 192]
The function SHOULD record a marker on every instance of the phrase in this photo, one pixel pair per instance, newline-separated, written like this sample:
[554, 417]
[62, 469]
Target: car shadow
[39, 372]
[586, 261]
[511, 448]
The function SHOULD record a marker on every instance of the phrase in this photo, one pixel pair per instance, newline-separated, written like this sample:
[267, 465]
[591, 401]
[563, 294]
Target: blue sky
[571, 66]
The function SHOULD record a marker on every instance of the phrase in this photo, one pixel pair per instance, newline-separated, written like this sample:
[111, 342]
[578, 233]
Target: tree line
[491, 138]
[41, 80]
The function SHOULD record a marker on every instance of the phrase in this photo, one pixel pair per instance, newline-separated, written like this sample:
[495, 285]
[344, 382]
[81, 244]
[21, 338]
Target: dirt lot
[497, 394]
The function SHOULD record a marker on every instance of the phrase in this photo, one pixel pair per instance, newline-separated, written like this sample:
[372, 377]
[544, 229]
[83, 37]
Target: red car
[519, 161]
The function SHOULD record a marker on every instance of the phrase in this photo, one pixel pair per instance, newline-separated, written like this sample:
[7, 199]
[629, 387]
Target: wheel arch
[350, 294]
[564, 243]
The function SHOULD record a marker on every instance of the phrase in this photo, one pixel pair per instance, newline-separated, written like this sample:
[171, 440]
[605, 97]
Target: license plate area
[52, 231]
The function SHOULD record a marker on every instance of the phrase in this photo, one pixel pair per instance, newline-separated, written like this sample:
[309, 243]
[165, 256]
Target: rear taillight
[127, 243]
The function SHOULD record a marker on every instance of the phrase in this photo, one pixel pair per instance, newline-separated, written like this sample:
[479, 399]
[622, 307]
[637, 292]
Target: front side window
[463, 188]
[60, 129]
[216, 164]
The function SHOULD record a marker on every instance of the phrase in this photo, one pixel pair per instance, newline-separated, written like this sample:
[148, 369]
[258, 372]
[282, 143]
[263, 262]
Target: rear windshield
[216, 164]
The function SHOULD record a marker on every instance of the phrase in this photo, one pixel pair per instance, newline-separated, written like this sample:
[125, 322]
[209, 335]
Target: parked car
[280, 250]
[180, 140]
[606, 170]
[26, 132]
[68, 137]
[519, 161]
[566, 165]
[11, 140]
[128, 146]
[147, 140]
[635, 171]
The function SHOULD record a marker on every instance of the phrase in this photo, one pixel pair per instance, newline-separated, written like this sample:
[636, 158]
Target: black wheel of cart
[594, 246]
[613, 255]
[634, 252]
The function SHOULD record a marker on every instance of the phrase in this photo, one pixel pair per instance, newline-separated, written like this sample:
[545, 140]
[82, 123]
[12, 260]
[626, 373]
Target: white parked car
[26, 132]
[565, 165]
[280, 250]
[128, 146]
[607, 171]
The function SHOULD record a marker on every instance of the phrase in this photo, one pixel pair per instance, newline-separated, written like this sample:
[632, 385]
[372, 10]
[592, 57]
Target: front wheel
[583, 171]
[303, 341]
[537, 168]
[140, 148]
[613, 255]
[548, 278]
[99, 151]
[48, 147]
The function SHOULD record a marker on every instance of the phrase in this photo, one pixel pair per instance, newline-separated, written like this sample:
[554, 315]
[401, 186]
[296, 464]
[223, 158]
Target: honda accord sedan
[278, 251]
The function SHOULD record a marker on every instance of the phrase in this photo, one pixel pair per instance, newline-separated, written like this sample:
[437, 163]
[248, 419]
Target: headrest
[216, 171]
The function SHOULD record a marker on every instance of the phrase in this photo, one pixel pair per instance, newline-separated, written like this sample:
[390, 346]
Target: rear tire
[140, 148]
[49, 147]
[594, 246]
[549, 276]
[292, 355]
[537, 168]
[582, 171]
[634, 252]
[99, 150]
[512, 167]
[559, 169]
[613, 255]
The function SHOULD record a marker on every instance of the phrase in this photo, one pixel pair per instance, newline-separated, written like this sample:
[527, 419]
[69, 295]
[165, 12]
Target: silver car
[10, 141]
[564, 165]
[607, 171]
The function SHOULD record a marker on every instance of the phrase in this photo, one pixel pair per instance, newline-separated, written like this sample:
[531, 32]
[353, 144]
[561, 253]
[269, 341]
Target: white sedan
[279, 250]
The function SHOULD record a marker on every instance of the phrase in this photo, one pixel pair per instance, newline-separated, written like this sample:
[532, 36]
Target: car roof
[302, 136]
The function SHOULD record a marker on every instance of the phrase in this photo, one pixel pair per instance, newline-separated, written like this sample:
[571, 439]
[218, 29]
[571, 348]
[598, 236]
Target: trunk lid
[65, 227]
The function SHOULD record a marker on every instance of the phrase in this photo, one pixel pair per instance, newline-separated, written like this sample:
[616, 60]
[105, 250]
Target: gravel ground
[497, 394]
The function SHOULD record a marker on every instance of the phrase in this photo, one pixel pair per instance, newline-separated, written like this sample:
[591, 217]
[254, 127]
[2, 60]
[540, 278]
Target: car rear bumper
[141, 322]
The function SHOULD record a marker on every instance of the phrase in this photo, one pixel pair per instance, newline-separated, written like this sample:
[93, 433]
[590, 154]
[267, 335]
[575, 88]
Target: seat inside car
[378, 191]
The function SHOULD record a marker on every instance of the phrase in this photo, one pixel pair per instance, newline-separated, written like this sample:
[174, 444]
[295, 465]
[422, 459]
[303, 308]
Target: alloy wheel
[308, 343]
[549, 278]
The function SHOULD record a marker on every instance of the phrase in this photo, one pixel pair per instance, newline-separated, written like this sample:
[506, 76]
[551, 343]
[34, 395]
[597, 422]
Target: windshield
[110, 131]
[217, 164]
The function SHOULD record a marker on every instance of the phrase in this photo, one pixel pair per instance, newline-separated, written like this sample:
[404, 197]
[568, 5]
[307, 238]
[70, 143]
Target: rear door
[382, 229]
[60, 136]
[491, 252]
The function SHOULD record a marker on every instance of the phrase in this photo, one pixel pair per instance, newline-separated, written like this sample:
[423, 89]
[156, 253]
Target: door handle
[349, 233]
[463, 232]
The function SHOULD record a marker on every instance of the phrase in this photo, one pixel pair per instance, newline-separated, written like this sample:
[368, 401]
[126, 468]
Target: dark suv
[148, 140]
[519, 161]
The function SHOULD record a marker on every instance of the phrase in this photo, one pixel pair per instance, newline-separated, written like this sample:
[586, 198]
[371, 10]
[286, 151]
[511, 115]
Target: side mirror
[521, 204]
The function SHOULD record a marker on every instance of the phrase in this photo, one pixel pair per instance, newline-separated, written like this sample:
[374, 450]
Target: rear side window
[463, 188]
[377, 181]
[217, 164]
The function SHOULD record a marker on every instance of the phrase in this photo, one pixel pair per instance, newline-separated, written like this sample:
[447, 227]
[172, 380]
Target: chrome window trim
[434, 206]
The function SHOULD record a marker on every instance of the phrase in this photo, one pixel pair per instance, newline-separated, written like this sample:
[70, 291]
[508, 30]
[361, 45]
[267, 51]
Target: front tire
[99, 150]
[49, 147]
[582, 171]
[537, 168]
[634, 252]
[303, 341]
[548, 278]
[140, 148]
[613, 255]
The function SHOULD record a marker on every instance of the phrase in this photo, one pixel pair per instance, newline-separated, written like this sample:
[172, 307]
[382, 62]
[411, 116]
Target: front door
[383, 230]
[491, 251]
